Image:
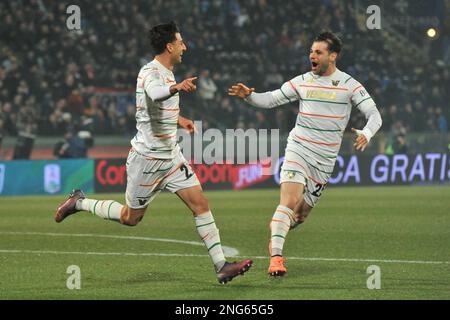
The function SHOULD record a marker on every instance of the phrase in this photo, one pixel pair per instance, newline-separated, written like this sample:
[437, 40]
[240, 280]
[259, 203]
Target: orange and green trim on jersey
[320, 155]
[317, 142]
[362, 101]
[320, 115]
[323, 87]
[317, 129]
[326, 101]
[293, 87]
[309, 164]
[285, 95]
[360, 86]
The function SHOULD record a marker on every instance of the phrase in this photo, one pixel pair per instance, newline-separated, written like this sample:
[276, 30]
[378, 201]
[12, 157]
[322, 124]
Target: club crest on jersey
[290, 174]
[335, 82]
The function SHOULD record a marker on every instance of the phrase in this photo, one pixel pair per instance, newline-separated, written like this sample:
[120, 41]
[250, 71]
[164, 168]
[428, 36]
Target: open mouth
[314, 64]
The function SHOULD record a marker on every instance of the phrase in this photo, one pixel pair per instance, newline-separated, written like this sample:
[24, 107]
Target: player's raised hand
[187, 124]
[240, 90]
[361, 140]
[186, 85]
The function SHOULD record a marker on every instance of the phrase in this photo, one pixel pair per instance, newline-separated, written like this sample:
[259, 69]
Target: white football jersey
[325, 105]
[156, 121]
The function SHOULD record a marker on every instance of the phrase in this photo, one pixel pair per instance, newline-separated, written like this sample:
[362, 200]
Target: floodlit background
[74, 90]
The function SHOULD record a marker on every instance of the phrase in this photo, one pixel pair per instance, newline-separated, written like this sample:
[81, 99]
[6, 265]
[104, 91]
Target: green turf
[382, 223]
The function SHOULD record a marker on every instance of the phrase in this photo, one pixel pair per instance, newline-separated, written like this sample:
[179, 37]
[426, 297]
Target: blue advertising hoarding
[24, 177]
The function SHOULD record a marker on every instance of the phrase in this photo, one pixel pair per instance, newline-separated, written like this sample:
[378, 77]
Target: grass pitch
[403, 230]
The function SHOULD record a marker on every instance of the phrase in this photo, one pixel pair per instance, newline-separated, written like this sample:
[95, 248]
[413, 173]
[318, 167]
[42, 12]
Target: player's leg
[194, 198]
[187, 187]
[106, 209]
[77, 201]
[141, 189]
[282, 221]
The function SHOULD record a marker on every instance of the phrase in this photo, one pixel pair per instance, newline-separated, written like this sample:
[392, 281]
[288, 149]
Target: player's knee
[290, 201]
[130, 218]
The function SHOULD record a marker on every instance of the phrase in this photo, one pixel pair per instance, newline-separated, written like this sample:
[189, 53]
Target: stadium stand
[61, 79]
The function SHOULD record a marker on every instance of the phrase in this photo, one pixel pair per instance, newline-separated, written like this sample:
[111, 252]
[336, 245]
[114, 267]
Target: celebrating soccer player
[155, 161]
[326, 96]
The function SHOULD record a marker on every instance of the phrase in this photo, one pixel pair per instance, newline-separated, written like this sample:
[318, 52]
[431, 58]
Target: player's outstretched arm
[186, 85]
[261, 100]
[240, 90]
[159, 92]
[266, 100]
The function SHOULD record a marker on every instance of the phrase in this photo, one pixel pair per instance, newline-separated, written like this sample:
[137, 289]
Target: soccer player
[326, 97]
[155, 161]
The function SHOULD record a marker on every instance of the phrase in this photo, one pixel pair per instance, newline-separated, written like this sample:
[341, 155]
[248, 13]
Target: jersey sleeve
[152, 79]
[287, 93]
[360, 98]
[363, 101]
[154, 86]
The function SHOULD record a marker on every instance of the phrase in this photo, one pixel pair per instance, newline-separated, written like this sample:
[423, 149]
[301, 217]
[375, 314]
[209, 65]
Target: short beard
[324, 69]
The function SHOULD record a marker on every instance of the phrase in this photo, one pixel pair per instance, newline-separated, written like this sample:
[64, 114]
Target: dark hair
[334, 43]
[162, 34]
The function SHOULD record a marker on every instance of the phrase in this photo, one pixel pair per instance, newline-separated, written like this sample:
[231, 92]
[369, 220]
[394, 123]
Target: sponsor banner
[427, 168]
[37, 177]
[400, 169]
[234, 176]
[110, 175]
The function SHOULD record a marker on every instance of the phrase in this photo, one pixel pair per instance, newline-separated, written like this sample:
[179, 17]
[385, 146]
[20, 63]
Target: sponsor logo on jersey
[319, 94]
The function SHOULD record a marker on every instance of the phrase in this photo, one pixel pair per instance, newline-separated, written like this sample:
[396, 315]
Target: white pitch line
[360, 260]
[228, 251]
[104, 253]
[203, 256]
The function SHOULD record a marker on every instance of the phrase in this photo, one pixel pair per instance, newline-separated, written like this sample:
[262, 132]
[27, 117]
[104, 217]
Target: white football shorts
[146, 177]
[299, 168]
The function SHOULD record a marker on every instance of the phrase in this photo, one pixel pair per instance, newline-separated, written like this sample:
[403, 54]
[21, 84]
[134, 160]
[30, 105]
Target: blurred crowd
[54, 81]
